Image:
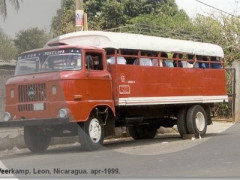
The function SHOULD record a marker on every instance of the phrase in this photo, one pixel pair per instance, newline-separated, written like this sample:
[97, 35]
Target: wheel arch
[107, 115]
[207, 108]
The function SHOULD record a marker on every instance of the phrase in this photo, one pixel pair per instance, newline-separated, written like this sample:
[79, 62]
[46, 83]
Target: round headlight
[62, 113]
[6, 116]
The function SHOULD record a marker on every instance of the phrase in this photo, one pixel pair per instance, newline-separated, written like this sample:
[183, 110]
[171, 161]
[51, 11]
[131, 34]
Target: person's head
[153, 54]
[164, 55]
[190, 56]
[177, 55]
[205, 58]
[214, 58]
[145, 54]
[199, 57]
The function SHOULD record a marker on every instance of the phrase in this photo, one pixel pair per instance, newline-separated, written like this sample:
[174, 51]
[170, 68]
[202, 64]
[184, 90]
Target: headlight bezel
[6, 116]
[62, 113]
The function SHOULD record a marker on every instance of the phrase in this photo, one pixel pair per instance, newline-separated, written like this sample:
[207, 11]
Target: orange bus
[88, 83]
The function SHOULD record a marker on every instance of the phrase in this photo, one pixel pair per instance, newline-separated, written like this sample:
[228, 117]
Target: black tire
[36, 139]
[133, 132]
[181, 121]
[197, 121]
[142, 131]
[89, 138]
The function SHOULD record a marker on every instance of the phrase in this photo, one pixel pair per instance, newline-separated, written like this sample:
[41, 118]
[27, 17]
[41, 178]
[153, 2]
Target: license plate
[38, 107]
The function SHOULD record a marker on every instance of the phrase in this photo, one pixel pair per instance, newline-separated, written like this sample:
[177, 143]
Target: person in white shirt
[144, 61]
[120, 60]
[166, 62]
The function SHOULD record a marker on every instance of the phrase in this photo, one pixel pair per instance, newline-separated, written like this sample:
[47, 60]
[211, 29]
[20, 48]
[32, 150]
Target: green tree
[222, 30]
[112, 15]
[30, 39]
[167, 21]
[3, 6]
[7, 49]
[64, 21]
[107, 14]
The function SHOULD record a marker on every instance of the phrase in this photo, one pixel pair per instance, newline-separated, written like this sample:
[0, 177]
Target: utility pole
[81, 17]
[79, 4]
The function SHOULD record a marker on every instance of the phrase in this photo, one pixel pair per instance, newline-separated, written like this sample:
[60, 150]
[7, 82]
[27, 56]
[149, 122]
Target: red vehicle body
[90, 97]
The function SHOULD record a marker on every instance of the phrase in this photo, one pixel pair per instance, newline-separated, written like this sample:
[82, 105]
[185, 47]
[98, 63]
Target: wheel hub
[200, 121]
[95, 130]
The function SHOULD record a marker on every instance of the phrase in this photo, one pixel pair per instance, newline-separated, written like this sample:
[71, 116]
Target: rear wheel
[197, 121]
[141, 131]
[36, 139]
[91, 133]
[181, 121]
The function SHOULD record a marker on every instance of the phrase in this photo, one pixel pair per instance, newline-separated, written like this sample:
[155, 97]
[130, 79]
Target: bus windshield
[62, 62]
[27, 66]
[51, 63]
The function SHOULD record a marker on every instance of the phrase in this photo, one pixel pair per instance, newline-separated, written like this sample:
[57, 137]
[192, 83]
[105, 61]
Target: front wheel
[197, 121]
[36, 139]
[91, 133]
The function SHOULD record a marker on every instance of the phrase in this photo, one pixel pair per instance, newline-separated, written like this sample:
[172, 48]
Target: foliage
[112, 15]
[7, 49]
[107, 14]
[3, 6]
[30, 39]
[221, 30]
[64, 21]
[176, 26]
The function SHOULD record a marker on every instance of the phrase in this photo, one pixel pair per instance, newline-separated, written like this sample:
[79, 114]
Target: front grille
[32, 92]
[25, 107]
[28, 107]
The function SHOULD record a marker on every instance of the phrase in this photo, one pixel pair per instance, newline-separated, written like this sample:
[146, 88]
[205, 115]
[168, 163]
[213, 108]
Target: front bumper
[35, 122]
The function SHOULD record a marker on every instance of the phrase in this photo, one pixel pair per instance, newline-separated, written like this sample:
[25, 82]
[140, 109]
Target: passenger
[179, 56]
[167, 62]
[199, 64]
[188, 64]
[215, 64]
[205, 65]
[144, 61]
[120, 60]
[155, 61]
[193, 63]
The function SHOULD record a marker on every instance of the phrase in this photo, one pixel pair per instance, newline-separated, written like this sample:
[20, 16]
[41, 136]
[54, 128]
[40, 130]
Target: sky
[38, 13]
[32, 13]
[192, 7]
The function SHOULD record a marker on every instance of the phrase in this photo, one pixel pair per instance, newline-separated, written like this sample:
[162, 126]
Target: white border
[171, 100]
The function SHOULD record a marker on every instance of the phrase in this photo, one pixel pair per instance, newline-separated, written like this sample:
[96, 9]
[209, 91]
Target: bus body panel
[140, 85]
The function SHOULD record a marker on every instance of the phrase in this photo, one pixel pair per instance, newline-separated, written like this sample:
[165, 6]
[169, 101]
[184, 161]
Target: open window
[94, 61]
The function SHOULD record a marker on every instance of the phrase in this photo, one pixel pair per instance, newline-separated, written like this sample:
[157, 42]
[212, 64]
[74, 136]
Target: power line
[217, 9]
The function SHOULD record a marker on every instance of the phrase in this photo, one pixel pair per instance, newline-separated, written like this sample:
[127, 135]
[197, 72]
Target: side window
[94, 61]
[216, 63]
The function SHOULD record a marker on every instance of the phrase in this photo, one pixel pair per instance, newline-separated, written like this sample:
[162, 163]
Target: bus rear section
[148, 97]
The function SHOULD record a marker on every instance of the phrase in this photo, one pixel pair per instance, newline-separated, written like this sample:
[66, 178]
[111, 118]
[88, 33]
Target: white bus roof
[136, 41]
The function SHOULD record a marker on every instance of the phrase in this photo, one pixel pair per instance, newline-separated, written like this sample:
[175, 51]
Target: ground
[168, 142]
